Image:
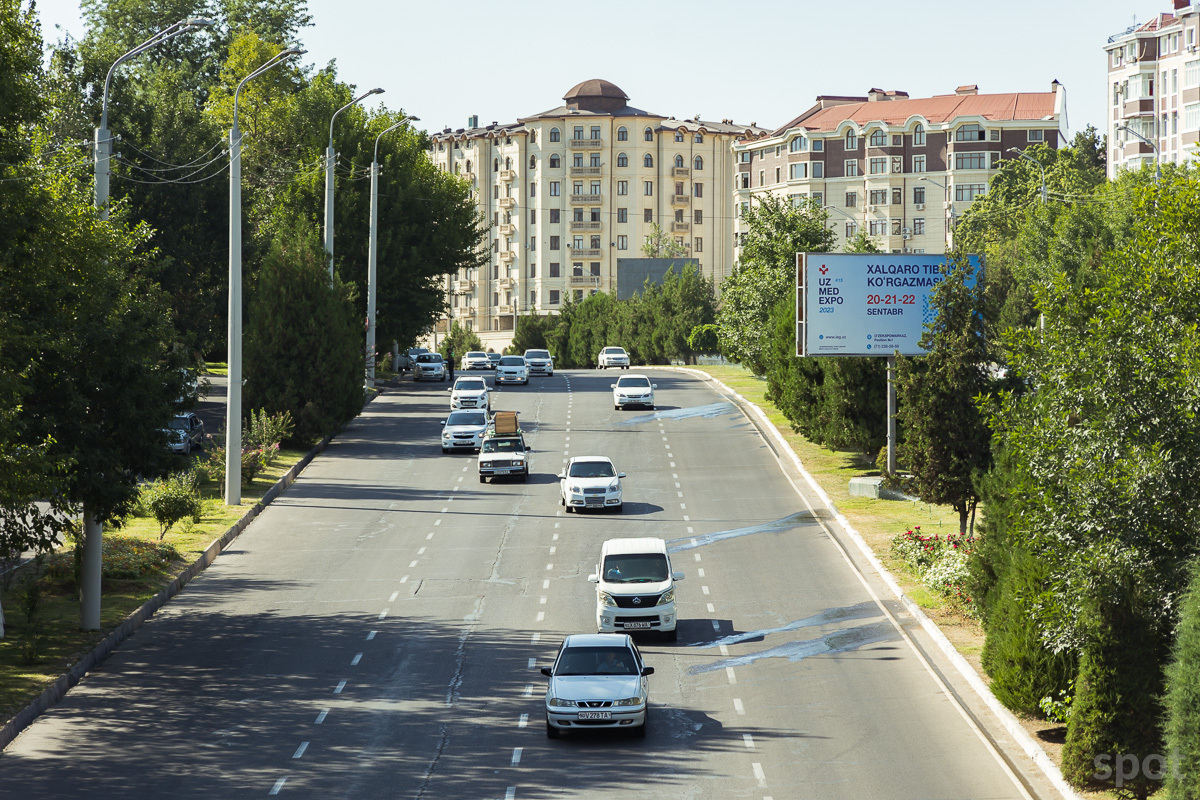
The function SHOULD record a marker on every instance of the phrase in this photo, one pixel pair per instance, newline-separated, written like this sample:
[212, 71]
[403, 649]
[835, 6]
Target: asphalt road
[377, 632]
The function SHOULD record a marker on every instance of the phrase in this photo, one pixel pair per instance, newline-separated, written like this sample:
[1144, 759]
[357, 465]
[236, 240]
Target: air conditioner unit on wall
[870, 208]
[920, 206]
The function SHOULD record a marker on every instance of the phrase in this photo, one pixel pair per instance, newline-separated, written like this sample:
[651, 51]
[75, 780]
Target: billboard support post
[891, 415]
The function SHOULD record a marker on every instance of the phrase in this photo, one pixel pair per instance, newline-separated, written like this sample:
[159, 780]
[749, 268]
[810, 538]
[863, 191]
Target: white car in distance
[540, 362]
[590, 482]
[469, 393]
[463, 430]
[475, 359]
[613, 357]
[512, 369]
[598, 681]
[633, 390]
[635, 587]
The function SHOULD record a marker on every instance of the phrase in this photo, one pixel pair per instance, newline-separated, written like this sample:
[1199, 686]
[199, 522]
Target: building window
[798, 171]
[818, 169]
[532, 189]
[554, 134]
[622, 160]
[698, 245]
[971, 132]
[918, 163]
[762, 177]
[648, 188]
[698, 216]
[622, 215]
[679, 136]
[647, 160]
[595, 160]
[697, 163]
[577, 187]
[678, 161]
[555, 243]
[595, 132]
[819, 198]
[878, 197]
[622, 187]
[818, 145]
[798, 145]
[679, 215]
[594, 267]
[622, 242]
[918, 194]
[879, 227]
[851, 199]
[555, 161]
[918, 226]
[896, 227]
[797, 199]
[595, 187]
[1191, 117]
[1036, 136]
[533, 216]
[577, 269]
[969, 191]
[698, 189]
[878, 166]
[533, 162]
[970, 160]
[648, 215]
[578, 134]
[648, 135]
[679, 188]
[744, 157]
[554, 189]
[622, 134]
[577, 161]
[897, 196]
[555, 269]
[532, 243]
[852, 140]
[554, 215]
[577, 243]
[878, 139]
[851, 168]
[554, 297]
[579, 295]
[851, 230]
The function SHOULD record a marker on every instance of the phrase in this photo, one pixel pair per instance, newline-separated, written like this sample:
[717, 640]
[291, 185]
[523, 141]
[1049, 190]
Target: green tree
[660, 244]
[459, 341]
[1182, 700]
[531, 333]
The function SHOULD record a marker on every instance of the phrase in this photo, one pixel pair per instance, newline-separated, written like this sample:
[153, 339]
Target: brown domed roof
[596, 95]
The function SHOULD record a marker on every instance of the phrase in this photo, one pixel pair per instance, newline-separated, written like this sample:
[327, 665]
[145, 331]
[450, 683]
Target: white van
[635, 587]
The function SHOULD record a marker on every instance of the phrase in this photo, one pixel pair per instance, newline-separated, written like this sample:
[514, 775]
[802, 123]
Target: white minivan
[635, 587]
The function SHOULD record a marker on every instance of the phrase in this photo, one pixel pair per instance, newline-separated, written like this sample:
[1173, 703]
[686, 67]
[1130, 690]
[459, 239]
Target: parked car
[598, 681]
[408, 359]
[463, 430]
[613, 357]
[590, 482]
[540, 362]
[469, 393]
[512, 369]
[633, 390]
[475, 359]
[635, 587]
[493, 360]
[184, 432]
[429, 366]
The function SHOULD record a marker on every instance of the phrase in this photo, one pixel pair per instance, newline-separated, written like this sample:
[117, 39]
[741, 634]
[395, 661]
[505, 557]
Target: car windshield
[429, 358]
[178, 423]
[596, 661]
[634, 383]
[615, 351]
[502, 446]
[635, 568]
[469, 385]
[537, 353]
[476, 354]
[591, 469]
[467, 418]
[493, 356]
[512, 361]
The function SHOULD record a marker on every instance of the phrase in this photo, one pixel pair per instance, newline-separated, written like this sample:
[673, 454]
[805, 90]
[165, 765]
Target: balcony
[581, 225]
[593, 199]
[586, 144]
[507, 202]
[462, 287]
[506, 283]
[505, 309]
[681, 199]
[507, 174]
[680, 227]
[470, 176]
[507, 255]
[507, 230]
[591, 252]
[680, 172]
[585, 170]
[585, 280]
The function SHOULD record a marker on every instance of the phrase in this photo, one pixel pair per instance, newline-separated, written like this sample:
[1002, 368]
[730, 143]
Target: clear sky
[763, 62]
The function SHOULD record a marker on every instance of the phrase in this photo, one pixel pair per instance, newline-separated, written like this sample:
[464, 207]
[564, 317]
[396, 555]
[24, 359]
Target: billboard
[866, 304]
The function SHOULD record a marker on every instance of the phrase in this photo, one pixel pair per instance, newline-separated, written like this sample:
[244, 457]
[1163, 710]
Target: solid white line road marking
[354, 661]
[371, 635]
[729, 674]
[516, 759]
[392, 599]
[712, 609]
[300, 750]
[321, 717]
[748, 740]
[523, 721]
[758, 774]
[278, 785]
[738, 707]
[341, 685]
[383, 614]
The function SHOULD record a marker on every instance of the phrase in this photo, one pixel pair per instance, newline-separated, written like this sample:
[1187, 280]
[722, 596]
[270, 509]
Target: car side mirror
[547, 672]
[442, 422]
[654, 386]
[593, 578]
[676, 576]
[620, 474]
[612, 386]
[647, 671]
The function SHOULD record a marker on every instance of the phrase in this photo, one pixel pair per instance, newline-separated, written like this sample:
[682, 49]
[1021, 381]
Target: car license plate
[594, 501]
[635, 625]
[595, 715]
[502, 471]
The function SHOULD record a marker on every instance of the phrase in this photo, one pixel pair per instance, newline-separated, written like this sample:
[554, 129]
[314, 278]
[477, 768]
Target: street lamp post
[93, 529]
[329, 156]
[372, 254]
[233, 403]
[1157, 161]
[953, 217]
[1037, 164]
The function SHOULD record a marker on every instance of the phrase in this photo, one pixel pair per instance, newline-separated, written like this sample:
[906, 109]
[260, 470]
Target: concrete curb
[96, 656]
[1011, 724]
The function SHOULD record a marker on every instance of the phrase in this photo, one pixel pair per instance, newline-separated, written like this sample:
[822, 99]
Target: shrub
[1182, 726]
[122, 558]
[263, 430]
[948, 577]
[173, 499]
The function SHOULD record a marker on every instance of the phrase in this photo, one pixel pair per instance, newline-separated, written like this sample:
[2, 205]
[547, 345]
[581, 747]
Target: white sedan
[475, 359]
[463, 430]
[598, 681]
[633, 390]
[469, 393]
[613, 357]
[590, 482]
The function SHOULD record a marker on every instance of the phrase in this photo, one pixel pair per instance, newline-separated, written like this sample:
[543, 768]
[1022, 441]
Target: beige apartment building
[1154, 90]
[900, 169]
[571, 190]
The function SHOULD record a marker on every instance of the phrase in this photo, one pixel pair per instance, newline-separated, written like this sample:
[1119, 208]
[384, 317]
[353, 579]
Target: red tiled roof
[937, 109]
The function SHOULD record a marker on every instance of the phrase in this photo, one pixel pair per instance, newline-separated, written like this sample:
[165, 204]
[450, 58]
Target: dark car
[493, 360]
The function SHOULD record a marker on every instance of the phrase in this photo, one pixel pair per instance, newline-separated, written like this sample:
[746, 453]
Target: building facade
[1154, 90]
[899, 169]
[570, 190]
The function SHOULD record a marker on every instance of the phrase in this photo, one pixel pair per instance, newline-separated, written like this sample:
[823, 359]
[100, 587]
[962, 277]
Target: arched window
[495, 165]
[648, 135]
[555, 161]
[457, 169]
[698, 163]
[648, 160]
[533, 137]
[699, 138]
[622, 160]
[468, 165]
[919, 135]
[622, 134]
[679, 136]
[878, 138]
[554, 134]
[678, 160]
[508, 163]
[533, 162]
